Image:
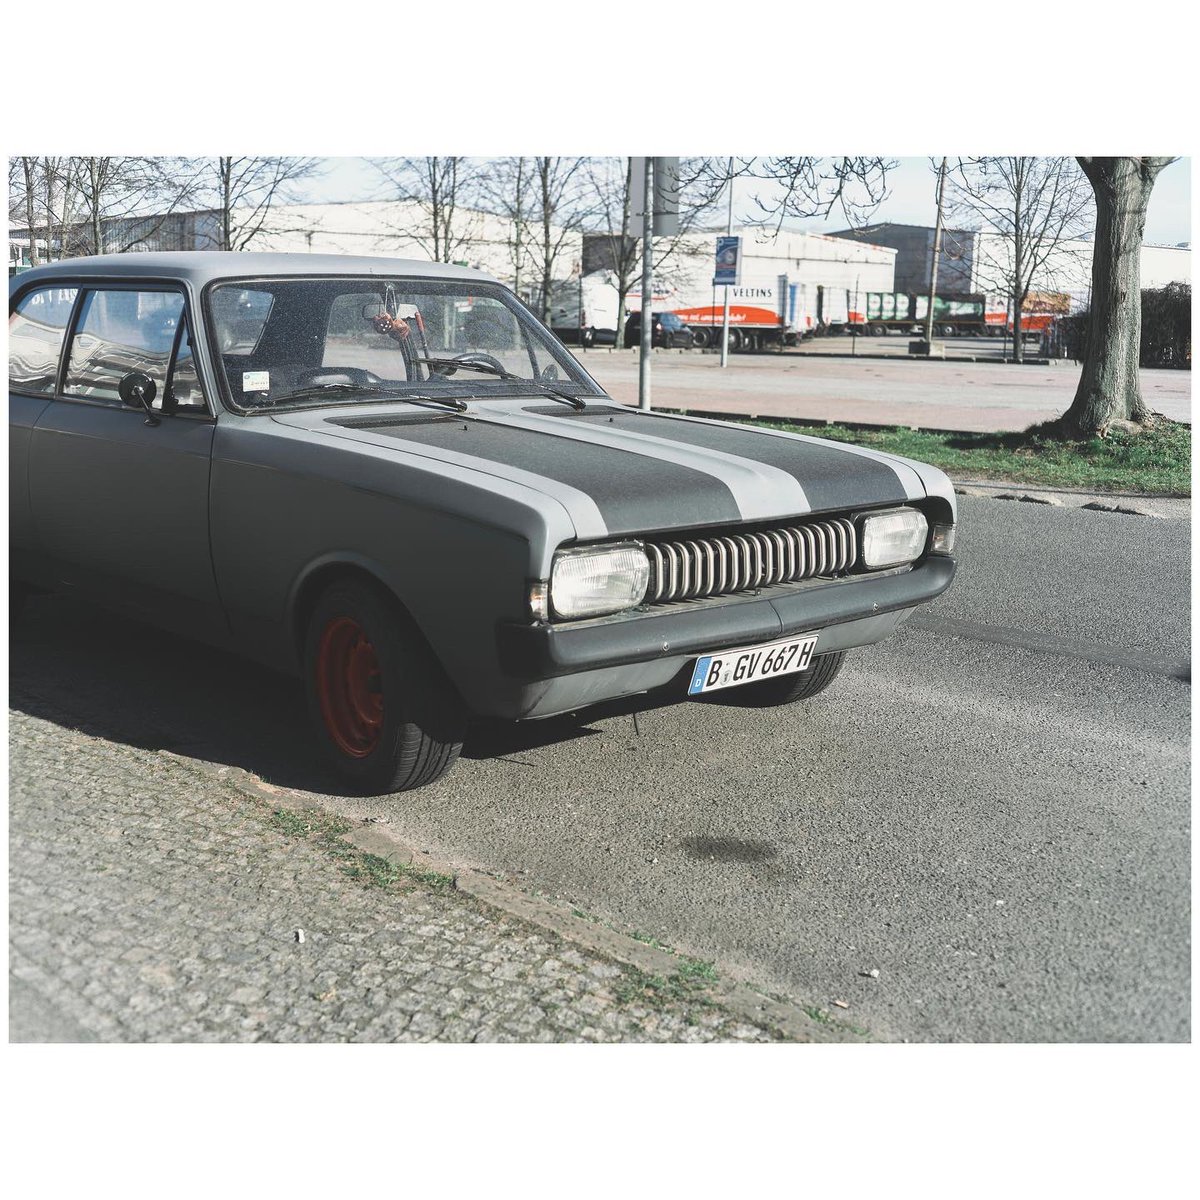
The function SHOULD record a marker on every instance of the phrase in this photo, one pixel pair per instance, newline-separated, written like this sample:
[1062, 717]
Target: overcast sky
[911, 200]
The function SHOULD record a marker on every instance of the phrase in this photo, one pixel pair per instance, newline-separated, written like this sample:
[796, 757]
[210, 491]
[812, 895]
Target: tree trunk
[1109, 386]
[94, 203]
[226, 204]
[28, 165]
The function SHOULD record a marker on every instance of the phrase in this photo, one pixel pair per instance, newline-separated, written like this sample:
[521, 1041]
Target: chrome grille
[716, 566]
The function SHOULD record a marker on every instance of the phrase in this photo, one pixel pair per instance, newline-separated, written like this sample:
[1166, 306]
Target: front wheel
[384, 712]
[786, 689]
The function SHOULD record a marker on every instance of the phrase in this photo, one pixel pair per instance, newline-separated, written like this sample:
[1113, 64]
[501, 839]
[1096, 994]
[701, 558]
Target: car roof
[200, 267]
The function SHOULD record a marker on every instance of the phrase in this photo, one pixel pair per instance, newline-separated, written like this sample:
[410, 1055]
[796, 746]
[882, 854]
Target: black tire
[414, 730]
[785, 689]
[701, 339]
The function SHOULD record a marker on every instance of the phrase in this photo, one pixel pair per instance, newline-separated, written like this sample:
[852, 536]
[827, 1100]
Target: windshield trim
[485, 286]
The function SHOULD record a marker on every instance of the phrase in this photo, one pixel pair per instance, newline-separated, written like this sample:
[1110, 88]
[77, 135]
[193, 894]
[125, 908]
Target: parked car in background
[668, 332]
[389, 479]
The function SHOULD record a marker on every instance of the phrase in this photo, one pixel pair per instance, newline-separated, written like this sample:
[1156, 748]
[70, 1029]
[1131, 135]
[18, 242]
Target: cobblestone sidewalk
[148, 901]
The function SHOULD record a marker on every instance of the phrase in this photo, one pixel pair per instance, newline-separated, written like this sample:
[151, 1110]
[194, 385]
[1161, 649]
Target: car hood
[620, 471]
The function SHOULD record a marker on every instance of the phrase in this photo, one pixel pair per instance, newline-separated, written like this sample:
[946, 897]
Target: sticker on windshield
[256, 381]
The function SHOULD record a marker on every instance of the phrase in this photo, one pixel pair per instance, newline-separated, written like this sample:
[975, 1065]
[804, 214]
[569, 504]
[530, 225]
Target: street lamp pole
[647, 286]
[933, 266]
[725, 313]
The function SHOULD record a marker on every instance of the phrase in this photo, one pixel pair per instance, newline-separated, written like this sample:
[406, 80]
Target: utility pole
[647, 287]
[933, 266]
[725, 312]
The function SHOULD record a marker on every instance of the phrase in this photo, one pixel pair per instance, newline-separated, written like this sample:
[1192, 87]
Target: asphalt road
[991, 810]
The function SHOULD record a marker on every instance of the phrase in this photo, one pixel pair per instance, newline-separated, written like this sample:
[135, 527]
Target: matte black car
[389, 479]
[668, 331]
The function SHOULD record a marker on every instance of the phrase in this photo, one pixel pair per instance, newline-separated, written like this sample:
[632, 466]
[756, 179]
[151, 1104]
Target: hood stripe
[584, 513]
[834, 475]
[762, 492]
[633, 491]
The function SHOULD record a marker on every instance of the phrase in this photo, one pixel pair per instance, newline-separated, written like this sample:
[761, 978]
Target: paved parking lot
[983, 396]
[991, 811]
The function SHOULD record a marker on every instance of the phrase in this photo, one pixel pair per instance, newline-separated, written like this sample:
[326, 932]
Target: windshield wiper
[459, 364]
[321, 390]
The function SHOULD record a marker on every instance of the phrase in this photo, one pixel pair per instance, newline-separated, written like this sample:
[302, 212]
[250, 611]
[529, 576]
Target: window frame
[15, 301]
[86, 284]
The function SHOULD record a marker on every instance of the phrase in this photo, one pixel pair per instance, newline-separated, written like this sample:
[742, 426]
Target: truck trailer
[954, 314]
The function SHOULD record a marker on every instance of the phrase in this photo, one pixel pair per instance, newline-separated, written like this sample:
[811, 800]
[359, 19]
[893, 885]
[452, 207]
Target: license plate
[732, 668]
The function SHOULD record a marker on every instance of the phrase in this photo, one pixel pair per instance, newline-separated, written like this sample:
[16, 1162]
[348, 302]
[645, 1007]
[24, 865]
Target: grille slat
[718, 566]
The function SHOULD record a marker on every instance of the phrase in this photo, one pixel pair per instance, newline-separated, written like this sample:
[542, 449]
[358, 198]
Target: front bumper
[544, 651]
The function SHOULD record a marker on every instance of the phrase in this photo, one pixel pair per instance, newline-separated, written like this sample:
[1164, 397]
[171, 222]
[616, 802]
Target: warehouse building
[975, 262]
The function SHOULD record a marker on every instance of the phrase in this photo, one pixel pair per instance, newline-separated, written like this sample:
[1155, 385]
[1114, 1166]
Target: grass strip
[1156, 461]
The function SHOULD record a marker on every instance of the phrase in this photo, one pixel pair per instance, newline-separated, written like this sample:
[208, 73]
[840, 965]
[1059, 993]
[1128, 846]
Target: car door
[37, 327]
[119, 496]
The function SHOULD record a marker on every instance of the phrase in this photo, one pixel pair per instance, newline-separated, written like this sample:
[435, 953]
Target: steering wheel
[324, 375]
[477, 356]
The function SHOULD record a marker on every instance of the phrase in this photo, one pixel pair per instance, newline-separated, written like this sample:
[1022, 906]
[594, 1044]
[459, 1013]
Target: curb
[788, 1020]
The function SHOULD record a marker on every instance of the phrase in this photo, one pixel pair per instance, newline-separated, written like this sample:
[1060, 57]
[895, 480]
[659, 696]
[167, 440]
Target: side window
[35, 336]
[121, 331]
[185, 382]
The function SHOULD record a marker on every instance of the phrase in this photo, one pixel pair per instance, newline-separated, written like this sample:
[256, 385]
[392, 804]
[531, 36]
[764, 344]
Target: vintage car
[388, 478]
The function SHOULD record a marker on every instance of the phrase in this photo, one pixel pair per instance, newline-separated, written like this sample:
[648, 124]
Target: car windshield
[671, 321]
[282, 341]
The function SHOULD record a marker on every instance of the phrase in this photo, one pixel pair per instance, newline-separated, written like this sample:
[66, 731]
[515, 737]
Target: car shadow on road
[76, 664]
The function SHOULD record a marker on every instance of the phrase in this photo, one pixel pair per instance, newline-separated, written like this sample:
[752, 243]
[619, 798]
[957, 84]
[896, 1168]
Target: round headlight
[594, 581]
[893, 537]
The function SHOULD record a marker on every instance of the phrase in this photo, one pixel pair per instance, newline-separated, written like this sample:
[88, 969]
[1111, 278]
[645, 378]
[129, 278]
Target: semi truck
[770, 312]
[954, 314]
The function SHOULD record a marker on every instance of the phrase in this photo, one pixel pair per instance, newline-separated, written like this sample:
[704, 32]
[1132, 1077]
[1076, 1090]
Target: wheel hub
[350, 687]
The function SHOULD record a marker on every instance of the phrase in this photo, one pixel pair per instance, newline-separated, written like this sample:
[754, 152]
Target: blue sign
[729, 261]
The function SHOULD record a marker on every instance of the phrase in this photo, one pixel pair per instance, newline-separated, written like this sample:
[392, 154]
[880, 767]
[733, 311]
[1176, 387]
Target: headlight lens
[892, 538]
[598, 580]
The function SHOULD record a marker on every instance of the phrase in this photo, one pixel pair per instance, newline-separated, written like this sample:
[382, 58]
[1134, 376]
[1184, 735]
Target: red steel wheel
[384, 713]
[350, 687]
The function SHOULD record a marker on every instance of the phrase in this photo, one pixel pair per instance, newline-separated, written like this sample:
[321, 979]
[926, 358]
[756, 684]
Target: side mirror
[138, 390]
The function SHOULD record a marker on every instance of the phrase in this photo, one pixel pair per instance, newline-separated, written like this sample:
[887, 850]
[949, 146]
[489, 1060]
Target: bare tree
[441, 188]
[505, 189]
[241, 191]
[1030, 206]
[27, 199]
[620, 250]
[558, 210]
[127, 200]
[1109, 385]
[803, 188]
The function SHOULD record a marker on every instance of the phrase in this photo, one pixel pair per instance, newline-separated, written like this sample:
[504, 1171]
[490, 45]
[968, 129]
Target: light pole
[933, 266]
[725, 311]
[647, 280]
